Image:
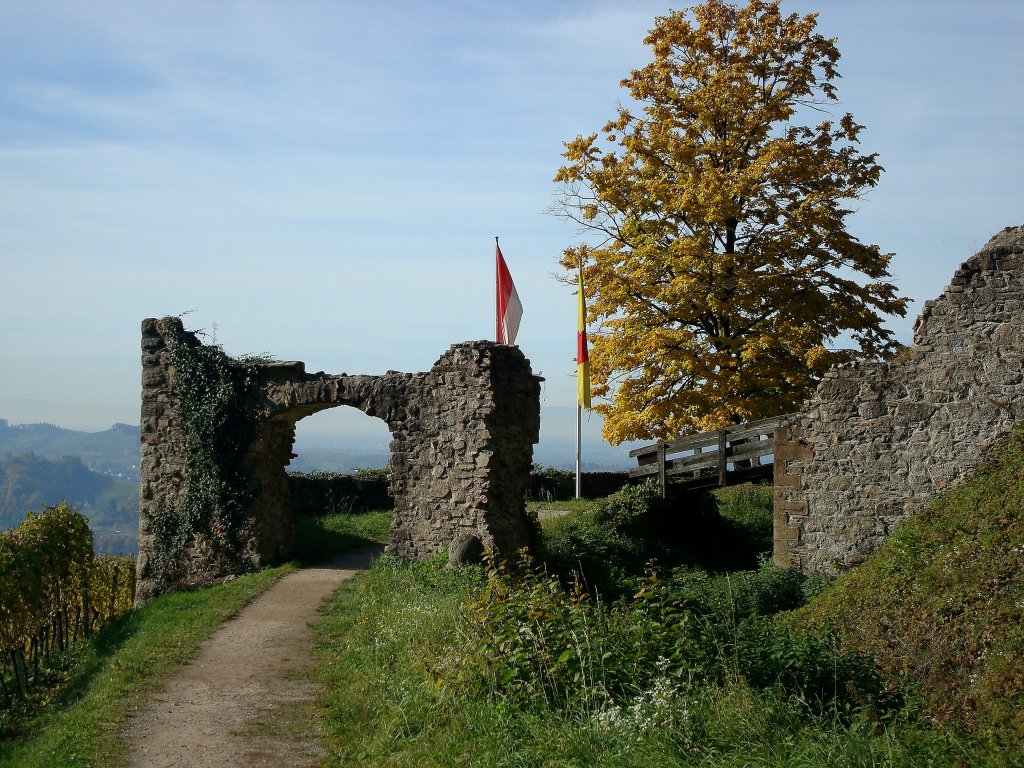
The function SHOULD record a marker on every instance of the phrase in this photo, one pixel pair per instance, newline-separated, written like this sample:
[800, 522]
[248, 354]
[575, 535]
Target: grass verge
[111, 673]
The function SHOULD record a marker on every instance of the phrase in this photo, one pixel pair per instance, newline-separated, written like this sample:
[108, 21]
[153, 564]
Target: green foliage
[391, 645]
[941, 605]
[531, 640]
[379, 474]
[550, 484]
[53, 591]
[609, 541]
[726, 599]
[746, 511]
[219, 412]
[810, 666]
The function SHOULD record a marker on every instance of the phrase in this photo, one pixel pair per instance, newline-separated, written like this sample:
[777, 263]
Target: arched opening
[340, 463]
[339, 483]
[315, 460]
[341, 441]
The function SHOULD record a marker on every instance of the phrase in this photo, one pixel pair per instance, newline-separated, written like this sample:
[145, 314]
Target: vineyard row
[53, 591]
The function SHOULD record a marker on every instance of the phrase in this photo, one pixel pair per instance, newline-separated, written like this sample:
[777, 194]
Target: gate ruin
[218, 432]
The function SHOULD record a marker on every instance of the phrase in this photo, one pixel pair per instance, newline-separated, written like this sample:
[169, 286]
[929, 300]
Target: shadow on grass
[329, 546]
[67, 679]
[319, 539]
[725, 530]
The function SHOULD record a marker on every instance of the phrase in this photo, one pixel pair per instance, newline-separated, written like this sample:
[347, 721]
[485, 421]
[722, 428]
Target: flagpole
[497, 293]
[579, 409]
[579, 421]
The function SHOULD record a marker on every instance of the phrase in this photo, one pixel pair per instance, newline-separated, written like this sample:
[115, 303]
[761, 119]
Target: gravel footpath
[245, 700]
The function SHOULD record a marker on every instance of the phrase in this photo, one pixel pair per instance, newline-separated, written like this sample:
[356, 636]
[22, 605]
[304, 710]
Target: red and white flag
[509, 308]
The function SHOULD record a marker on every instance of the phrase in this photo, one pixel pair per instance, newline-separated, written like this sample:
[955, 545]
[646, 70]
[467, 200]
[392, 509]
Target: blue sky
[323, 180]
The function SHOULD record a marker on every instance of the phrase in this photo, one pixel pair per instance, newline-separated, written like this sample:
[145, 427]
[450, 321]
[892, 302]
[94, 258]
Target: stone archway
[461, 452]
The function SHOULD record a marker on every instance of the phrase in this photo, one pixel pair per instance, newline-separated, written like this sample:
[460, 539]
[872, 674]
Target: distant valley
[28, 482]
[98, 473]
[338, 460]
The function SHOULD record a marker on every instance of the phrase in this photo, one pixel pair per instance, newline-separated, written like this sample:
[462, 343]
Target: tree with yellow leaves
[722, 269]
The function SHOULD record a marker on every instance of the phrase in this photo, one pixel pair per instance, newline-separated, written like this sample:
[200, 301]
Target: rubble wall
[462, 448]
[879, 440]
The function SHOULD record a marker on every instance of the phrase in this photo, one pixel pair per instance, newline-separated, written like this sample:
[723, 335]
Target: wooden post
[723, 462]
[113, 593]
[661, 469]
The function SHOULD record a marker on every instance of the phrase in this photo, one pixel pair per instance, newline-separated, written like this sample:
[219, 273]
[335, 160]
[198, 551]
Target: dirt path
[244, 701]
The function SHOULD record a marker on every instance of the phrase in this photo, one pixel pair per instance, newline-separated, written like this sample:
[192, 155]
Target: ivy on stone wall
[219, 410]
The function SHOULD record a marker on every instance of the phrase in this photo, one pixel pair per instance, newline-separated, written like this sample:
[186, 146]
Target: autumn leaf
[720, 269]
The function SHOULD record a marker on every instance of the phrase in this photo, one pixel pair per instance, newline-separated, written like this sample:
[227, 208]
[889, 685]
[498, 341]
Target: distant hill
[113, 452]
[337, 460]
[28, 482]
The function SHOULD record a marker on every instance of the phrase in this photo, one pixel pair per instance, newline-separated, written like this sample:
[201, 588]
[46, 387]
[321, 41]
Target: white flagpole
[497, 293]
[579, 420]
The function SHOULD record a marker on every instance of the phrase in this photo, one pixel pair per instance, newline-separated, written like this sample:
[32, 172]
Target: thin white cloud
[312, 176]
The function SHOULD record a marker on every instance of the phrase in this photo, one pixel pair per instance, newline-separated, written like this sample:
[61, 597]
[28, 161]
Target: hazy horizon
[323, 182]
[346, 428]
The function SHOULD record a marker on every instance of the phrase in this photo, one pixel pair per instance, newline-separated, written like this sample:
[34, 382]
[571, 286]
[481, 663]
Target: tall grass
[426, 665]
[393, 640]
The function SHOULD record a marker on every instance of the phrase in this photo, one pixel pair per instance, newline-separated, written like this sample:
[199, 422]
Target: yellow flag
[582, 355]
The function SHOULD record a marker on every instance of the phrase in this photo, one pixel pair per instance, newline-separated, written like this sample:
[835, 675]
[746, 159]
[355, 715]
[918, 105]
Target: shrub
[529, 640]
[550, 484]
[380, 474]
[611, 542]
[810, 666]
[733, 597]
[608, 544]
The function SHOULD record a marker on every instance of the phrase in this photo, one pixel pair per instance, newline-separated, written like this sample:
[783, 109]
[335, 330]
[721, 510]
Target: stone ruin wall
[462, 448]
[879, 440]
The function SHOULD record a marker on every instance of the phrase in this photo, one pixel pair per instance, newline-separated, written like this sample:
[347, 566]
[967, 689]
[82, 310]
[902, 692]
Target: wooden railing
[709, 456]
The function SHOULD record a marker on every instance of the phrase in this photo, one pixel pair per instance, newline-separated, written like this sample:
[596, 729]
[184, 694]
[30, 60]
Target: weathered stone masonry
[462, 447]
[879, 440]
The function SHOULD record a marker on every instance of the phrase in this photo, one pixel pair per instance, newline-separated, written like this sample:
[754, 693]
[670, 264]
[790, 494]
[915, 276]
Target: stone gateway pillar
[217, 433]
